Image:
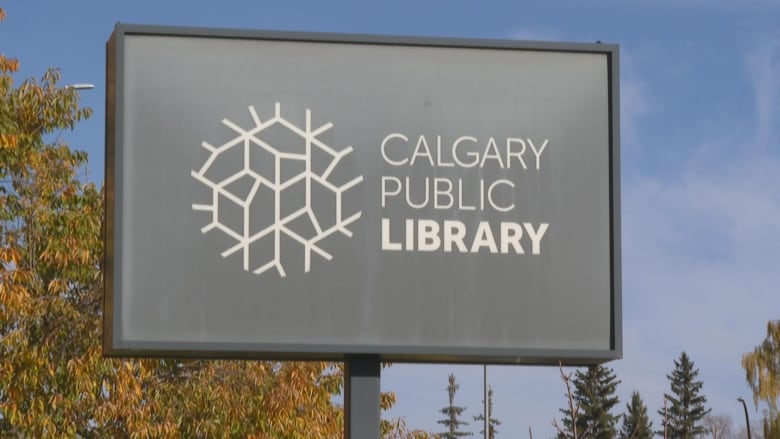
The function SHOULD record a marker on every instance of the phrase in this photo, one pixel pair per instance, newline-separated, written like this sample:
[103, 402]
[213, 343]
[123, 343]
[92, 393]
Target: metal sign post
[361, 396]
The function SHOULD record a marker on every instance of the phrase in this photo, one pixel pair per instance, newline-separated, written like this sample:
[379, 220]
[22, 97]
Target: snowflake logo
[262, 187]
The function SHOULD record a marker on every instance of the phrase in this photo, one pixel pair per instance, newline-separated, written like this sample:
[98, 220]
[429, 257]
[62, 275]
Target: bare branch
[573, 409]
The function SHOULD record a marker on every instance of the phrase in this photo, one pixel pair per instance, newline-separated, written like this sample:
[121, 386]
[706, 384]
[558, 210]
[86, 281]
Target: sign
[312, 196]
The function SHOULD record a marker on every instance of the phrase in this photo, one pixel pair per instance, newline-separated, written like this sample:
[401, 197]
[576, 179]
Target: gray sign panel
[278, 195]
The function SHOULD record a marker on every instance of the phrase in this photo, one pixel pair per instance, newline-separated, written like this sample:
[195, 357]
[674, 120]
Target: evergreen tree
[636, 423]
[686, 403]
[594, 392]
[452, 414]
[493, 423]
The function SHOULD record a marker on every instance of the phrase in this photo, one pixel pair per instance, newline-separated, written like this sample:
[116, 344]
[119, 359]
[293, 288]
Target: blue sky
[700, 84]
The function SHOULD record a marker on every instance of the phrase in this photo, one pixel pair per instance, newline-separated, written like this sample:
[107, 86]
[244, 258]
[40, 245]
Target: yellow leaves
[2, 58]
[14, 298]
[387, 400]
[56, 401]
[297, 402]
[762, 368]
[73, 365]
[137, 390]
[53, 380]
[56, 286]
[8, 140]
[83, 256]
[9, 256]
[51, 373]
[60, 258]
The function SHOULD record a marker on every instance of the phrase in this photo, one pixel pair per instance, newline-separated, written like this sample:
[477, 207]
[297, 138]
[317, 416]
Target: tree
[762, 369]
[54, 381]
[594, 392]
[452, 414]
[719, 426]
[636, 422]
[572, 414]
[756, 430]
[771, 427]
[50, 251]
[493, 423]
[687, 405]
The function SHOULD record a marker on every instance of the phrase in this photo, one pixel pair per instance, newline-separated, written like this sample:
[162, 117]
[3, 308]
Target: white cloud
[536, 35]
[700, 259]
[635, 102]
[700, 254]
[764, 69]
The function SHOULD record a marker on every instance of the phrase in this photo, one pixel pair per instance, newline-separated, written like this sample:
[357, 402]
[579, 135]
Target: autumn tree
[594, 392]
[771, 427]
[54, 381]
[762, 370]
[493, 423]
[687, 406]
[452, 414]
[50, 253]
[636, 422]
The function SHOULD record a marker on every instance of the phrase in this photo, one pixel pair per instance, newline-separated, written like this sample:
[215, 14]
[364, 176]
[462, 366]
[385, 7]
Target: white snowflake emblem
[260, 184]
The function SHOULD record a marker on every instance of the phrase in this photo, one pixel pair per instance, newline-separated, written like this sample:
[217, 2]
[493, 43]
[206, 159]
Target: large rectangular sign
[287, 195]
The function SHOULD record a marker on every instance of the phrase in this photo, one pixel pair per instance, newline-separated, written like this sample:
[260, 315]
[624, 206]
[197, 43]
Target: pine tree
[493, 422]
[636, 423]
[452, 414]
[686, 403]
[594, 391]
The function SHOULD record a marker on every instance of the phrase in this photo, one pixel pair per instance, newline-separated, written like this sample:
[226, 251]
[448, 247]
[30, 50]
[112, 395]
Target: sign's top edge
[378, 39]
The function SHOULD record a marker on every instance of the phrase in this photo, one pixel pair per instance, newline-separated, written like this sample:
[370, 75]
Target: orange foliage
[54, 381]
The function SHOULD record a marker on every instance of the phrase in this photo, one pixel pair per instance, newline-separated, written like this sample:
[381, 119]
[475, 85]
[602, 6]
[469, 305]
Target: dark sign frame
[114, 346]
